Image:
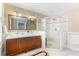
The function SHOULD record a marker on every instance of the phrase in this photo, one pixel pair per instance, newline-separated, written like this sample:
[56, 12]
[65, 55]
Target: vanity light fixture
[29, 17]
[33, 17]
[14, 13]
[19, 14]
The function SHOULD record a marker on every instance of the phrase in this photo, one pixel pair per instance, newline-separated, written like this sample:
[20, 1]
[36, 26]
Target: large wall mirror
[21, 23]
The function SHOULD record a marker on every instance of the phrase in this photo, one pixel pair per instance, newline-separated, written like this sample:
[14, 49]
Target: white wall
[0, 35]
[73, 41]
[0, 30]
[0, 10]
[73, 19]
[0, 21]
[0, 27]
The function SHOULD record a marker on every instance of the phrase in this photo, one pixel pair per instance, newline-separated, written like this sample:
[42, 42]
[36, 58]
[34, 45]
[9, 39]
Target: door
[11, 46]
[56, 35]
[36, 41]
[24, 44]
[53, 38]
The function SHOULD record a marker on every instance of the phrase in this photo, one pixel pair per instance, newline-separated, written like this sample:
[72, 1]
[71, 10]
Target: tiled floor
[54, 52]
[65, 52]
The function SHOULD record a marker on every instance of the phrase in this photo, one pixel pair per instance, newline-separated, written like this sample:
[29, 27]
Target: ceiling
[48, 9]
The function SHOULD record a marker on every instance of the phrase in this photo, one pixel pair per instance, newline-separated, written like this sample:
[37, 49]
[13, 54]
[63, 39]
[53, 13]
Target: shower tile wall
[56, 30]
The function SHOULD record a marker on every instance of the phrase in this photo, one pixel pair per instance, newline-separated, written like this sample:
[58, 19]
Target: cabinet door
[36, 42]
[29, 43]
[11, 46]
[24, 44]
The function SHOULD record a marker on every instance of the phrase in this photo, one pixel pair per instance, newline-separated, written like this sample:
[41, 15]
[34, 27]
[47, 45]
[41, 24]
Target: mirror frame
[19, 29]
[9, 21]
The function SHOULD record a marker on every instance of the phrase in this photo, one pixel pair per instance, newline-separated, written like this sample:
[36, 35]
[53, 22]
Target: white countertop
[19, 36]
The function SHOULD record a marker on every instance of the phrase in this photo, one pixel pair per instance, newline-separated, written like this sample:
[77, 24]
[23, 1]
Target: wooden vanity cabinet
[24, 44]
[11, 46]
[36, 42]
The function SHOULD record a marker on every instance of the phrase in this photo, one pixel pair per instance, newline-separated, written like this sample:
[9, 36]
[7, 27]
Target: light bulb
[19, 14]
[14, 13]
[33, 17]
[29, 16]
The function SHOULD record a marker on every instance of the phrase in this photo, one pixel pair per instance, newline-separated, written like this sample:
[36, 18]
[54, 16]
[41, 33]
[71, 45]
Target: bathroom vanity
[18, 45]
[22, 42]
